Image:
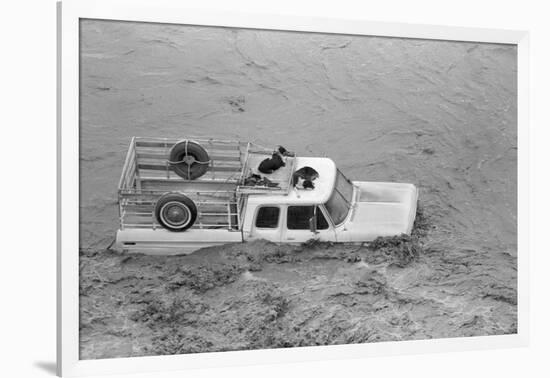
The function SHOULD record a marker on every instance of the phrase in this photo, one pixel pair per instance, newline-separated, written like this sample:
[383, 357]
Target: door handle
[290, 238]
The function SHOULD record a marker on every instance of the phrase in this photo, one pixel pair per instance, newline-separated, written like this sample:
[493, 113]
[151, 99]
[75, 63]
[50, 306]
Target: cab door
[267, 223]
[303, 223]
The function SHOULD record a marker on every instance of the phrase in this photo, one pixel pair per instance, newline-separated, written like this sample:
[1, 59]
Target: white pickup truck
[177, 196]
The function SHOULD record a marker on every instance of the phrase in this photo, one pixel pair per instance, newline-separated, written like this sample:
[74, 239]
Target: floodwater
[439, 114]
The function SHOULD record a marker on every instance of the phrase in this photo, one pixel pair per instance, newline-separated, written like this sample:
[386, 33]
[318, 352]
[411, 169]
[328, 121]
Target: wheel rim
[188, 159]
[175, 214]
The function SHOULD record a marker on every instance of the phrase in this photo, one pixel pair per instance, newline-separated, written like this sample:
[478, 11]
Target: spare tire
[189, 159]
[175, 212]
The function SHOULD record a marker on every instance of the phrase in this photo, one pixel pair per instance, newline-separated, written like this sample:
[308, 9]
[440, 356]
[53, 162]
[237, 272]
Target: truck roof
[324, 185]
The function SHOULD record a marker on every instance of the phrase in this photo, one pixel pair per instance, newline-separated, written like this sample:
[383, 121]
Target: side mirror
[313, 224]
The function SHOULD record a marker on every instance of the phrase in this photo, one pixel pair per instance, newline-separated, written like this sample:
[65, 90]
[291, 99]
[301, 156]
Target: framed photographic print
[280, 189]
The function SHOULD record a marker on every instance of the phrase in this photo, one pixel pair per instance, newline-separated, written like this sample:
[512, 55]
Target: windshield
[339, 202]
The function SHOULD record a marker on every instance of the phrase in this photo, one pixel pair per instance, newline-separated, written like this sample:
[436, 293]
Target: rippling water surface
[438, 114]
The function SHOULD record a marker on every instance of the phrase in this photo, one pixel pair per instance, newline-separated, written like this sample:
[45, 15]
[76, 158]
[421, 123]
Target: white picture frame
[172, 11]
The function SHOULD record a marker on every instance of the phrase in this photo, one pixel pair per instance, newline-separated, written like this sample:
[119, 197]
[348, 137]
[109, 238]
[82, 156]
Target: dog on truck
[304, 177]
[270, 165]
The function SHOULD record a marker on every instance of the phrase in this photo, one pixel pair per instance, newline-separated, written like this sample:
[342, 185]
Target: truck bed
[218, 194]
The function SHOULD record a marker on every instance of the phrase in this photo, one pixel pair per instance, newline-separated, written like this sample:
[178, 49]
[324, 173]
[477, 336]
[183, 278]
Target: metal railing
[218, 194]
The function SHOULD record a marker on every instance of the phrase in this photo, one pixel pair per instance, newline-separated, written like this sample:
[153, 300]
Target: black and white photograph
[245, 189]
[205, 188]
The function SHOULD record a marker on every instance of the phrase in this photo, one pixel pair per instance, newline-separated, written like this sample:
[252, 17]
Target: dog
[273, 163]
[305, 175]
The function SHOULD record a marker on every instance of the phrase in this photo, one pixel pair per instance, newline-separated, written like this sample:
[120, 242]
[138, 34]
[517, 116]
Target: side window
[298, 218]
[268, 217]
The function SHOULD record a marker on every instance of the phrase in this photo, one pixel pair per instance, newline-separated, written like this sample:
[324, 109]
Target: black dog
[271, 164]
[307, 174]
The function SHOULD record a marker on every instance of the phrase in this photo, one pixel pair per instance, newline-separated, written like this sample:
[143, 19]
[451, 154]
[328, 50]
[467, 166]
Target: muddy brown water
[439, 114]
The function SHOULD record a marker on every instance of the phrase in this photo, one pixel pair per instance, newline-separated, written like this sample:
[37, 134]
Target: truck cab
[336, 210]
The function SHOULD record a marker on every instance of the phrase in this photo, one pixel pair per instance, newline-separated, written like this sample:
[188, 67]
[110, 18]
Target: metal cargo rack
[281, 177]
[219, 194]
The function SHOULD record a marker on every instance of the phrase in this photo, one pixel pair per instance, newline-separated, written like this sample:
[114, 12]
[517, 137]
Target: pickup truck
[176, 196]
